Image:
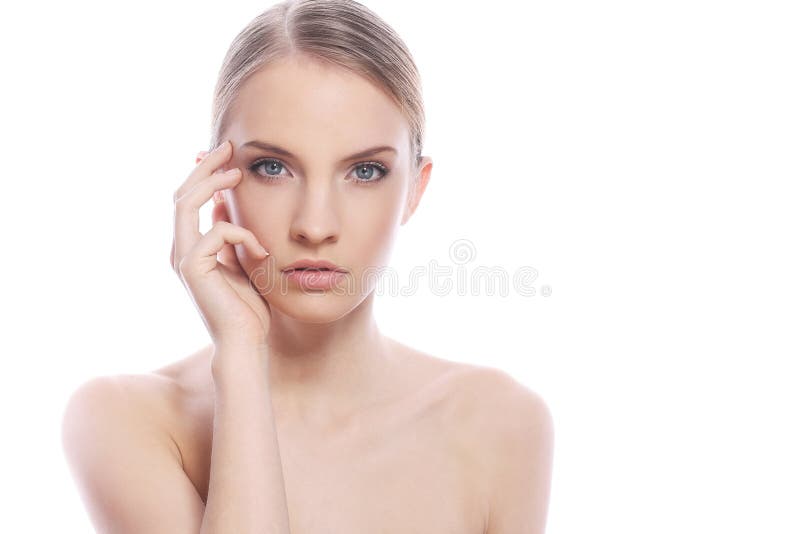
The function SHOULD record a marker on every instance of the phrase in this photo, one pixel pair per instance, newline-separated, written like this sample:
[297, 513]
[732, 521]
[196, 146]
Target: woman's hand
[232, 310]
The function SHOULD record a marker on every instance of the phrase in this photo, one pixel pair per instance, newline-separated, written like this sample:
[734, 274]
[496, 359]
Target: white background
[641, 156]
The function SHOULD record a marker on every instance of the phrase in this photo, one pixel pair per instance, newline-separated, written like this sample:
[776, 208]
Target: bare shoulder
[479, 395]
[135, 392]
[143, 399]
[511, 429]
[126, 465]
[503, 419]
[494, 395]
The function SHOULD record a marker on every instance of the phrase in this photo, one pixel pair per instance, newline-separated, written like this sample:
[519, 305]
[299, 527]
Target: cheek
[371, 229]
[266, 217]
[253, 211]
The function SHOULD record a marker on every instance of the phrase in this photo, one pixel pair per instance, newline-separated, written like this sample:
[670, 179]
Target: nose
[316, 221]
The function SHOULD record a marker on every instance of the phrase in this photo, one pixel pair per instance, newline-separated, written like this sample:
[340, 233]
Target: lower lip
[315, 279]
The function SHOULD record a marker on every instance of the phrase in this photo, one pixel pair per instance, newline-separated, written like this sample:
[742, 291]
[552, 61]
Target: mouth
[315, 278]
[314, 269]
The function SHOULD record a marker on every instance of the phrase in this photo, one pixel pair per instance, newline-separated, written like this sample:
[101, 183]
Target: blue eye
[364, 170]
[371, 166]
[270, 164]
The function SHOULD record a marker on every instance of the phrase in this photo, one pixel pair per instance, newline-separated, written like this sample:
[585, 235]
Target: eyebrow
[283, 152]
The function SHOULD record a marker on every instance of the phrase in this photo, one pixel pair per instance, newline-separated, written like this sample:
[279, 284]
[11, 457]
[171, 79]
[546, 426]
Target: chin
[313, 307]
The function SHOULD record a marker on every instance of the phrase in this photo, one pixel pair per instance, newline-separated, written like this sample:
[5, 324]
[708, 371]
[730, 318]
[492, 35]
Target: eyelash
[273, 177]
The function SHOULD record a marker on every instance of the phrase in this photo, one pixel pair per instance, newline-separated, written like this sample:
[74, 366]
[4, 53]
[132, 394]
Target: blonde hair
[341, 32]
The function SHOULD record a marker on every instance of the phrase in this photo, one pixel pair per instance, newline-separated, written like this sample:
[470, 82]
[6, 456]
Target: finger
[187, 210]
[227, 254]
[214, 159]
[200, 157]
[218, 197]
[202, 258]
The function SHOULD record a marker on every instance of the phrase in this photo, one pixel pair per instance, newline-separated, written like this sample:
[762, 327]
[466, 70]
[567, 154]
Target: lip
[314, 264]
[314, 279]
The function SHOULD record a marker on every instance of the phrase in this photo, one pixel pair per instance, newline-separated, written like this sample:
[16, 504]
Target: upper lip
[314, 264]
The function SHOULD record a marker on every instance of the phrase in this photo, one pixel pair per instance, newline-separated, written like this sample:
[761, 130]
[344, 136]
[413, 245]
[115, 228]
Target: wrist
[236, 358]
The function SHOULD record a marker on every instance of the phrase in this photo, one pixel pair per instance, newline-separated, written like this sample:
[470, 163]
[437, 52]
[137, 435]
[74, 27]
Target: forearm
[246, 493]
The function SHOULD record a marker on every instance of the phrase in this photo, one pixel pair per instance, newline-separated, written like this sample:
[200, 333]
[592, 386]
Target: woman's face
[317, 201]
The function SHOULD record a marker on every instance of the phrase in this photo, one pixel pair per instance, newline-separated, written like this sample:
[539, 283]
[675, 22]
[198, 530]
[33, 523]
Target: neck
[322, 371]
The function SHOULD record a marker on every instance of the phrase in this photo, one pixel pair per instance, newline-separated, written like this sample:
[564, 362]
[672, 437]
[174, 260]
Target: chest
[393, 472]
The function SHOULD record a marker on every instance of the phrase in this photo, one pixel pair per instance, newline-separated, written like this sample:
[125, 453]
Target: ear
[418, 186]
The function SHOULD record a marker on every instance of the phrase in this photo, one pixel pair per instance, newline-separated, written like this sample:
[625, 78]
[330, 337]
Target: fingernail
[222, 146]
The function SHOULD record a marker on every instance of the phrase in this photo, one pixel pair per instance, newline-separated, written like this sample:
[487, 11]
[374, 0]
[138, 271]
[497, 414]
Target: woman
[301, 412]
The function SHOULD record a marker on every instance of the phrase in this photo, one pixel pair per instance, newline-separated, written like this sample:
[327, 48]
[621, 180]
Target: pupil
[368, 168]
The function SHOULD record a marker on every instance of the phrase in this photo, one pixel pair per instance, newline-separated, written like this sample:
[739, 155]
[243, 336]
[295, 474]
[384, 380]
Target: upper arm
[518, 427]
[125, 465]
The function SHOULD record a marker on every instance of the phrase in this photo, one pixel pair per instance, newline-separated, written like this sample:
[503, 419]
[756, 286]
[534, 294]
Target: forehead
[307, 103]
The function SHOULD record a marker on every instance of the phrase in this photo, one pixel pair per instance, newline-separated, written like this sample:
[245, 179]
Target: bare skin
[374, 436]
[403, 461]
